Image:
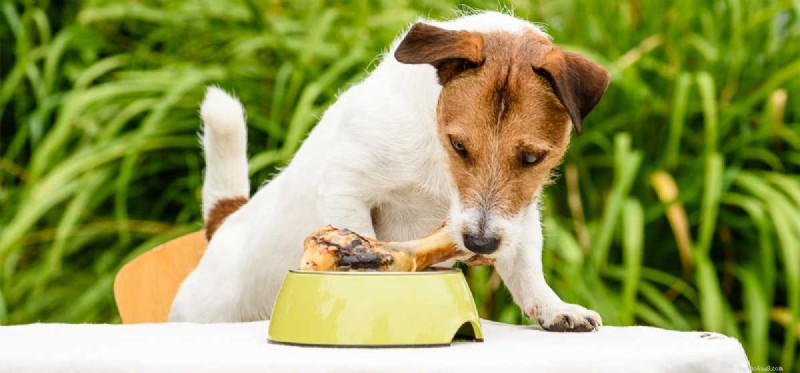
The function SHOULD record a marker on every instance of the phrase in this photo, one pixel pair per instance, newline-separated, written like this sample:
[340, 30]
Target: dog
[462, 121]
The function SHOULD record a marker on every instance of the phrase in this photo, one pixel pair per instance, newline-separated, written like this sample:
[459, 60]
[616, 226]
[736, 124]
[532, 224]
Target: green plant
[678, 207]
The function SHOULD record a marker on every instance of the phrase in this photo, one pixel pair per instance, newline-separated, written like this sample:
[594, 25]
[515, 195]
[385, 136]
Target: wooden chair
[145, 287]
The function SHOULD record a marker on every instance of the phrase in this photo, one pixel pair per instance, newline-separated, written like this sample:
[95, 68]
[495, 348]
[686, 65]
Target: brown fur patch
[451, 52]
[220, 211]
[576, 81]
[499, 111]
[515, 104]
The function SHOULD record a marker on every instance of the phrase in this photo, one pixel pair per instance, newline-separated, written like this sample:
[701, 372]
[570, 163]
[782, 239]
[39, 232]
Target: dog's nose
[481, 244]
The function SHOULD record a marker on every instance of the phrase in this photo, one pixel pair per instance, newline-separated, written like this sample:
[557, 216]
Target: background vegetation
[679, 207]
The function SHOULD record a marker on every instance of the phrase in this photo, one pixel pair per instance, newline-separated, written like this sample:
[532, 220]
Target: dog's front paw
[567, 317]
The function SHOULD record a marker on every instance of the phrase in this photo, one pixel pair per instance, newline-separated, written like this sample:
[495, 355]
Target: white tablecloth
[243, 348]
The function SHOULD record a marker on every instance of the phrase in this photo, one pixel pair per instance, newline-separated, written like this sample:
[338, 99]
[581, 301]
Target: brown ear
[577, 81]
[447, 50]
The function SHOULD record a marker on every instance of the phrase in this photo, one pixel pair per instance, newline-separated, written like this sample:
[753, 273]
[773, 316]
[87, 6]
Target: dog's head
[505, 112]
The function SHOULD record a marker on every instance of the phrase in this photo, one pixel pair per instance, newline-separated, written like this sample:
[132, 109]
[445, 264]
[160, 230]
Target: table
[243, 347]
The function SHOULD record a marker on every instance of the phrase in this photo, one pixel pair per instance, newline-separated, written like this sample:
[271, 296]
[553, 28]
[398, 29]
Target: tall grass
[679, 207]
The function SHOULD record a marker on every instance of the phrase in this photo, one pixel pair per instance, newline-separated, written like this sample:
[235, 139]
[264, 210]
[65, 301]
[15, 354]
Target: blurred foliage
[679, 207]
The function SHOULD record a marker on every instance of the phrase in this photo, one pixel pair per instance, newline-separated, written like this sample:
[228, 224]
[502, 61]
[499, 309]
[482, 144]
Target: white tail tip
[221, 112]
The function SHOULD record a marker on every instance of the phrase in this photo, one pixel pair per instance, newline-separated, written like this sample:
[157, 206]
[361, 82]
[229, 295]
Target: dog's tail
[226, 186]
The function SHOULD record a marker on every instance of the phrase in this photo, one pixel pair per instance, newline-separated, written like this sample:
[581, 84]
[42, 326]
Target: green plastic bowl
[374, 309]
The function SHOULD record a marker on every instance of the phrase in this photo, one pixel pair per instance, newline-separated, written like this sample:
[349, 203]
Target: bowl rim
[428, 271]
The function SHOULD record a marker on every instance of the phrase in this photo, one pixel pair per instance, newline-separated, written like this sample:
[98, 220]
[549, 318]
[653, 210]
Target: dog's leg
[350, 213]
[345, 207]
[520, 268]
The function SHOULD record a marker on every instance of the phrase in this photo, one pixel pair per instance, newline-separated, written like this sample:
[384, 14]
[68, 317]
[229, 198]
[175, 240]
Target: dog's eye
[458, 146]
[530, 159]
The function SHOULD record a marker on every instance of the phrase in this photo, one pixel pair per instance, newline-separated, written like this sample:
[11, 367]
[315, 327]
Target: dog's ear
[578, 82]
[450, 52]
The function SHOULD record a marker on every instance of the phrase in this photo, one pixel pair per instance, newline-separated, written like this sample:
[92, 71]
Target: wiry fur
[374, 164]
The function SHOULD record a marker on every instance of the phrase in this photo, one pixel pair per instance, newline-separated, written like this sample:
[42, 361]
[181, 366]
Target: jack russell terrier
[462, 121]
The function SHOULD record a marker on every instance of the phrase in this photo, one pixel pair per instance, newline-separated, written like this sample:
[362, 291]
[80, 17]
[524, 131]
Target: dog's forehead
[520, 106]
[505, 98]
[525, 48]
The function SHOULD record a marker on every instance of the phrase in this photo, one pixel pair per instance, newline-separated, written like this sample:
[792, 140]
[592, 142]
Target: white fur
[225, 146]
[374, 154]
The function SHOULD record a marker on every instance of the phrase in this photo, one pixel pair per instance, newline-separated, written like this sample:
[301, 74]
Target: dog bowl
[374, 309]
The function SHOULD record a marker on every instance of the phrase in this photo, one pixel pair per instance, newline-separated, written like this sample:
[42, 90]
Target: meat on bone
[334, 249]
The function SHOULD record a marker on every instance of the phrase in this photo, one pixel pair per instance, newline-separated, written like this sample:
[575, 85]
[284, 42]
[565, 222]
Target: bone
[333, 249]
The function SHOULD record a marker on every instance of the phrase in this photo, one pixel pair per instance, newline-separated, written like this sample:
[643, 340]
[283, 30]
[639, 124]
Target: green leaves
[633, 249]
[625, 166]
